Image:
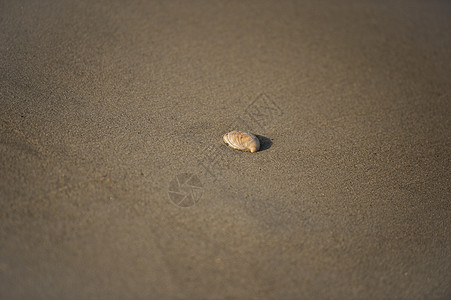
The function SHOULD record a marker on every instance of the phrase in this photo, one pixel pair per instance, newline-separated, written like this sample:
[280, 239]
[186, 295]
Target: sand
[115, 183]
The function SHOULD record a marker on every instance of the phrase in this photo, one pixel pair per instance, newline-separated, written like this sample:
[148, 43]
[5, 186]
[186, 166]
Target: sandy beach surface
[115, 182]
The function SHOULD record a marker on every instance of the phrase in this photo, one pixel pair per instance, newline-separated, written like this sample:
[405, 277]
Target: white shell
[242, 140]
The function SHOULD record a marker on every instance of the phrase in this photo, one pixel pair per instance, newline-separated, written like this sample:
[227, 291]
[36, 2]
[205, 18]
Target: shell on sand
[242, 140]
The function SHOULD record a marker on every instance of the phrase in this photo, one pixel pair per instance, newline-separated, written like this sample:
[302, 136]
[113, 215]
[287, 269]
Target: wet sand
[115, 183]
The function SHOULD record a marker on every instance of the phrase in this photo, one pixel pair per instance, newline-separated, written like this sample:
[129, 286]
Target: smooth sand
[106, 109]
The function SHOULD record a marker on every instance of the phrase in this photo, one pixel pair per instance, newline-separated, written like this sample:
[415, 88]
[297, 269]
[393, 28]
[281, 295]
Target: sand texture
[115, 182]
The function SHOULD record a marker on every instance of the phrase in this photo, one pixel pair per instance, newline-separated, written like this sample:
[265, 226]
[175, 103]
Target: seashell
[242, 140]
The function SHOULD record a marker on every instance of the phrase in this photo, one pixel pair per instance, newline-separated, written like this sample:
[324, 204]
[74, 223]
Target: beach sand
[115, 182]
